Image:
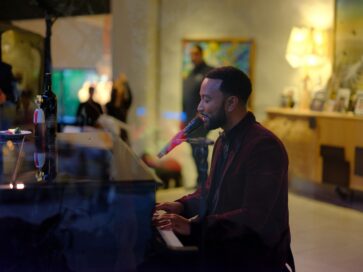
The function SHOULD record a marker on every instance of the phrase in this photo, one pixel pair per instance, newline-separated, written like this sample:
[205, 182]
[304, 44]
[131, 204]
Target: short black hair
[234, 81]
[198, 47]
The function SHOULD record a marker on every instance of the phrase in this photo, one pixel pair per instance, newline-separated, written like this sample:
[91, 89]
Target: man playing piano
[245, 226]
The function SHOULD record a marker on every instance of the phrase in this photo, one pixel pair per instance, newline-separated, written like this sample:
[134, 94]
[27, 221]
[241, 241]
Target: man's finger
[166, 225]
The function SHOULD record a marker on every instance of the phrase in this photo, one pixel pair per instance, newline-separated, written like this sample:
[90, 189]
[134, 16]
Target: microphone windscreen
[193, 125]
[181, 136]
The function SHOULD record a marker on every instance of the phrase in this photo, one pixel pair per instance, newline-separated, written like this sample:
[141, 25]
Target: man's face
[211, 105]
[91, 92]
[196, 56]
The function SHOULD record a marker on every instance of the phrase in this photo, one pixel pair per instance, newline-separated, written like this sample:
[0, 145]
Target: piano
[83, 203]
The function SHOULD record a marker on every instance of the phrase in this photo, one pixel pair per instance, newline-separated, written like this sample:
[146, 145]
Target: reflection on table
[93, 215]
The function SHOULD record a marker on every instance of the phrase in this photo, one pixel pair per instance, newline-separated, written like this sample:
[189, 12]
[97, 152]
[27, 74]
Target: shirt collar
[229, 135]
[199, 67]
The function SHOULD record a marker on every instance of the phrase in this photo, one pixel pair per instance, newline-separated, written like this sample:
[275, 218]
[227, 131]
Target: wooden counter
[304, 132]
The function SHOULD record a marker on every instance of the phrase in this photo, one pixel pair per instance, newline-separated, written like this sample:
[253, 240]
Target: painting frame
[348, 45]
[237, 52]
[342, 99]
[358, 107]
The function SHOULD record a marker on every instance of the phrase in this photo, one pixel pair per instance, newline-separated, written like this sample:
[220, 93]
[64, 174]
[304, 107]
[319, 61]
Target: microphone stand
[201, 152]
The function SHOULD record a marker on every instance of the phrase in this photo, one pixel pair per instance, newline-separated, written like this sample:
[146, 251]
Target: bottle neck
[47, 83]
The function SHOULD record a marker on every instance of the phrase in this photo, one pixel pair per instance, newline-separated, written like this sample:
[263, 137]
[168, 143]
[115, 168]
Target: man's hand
[174, 222]
[170, 207]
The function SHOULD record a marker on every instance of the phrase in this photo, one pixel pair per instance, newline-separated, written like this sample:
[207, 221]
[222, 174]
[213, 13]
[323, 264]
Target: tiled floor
[325, 237]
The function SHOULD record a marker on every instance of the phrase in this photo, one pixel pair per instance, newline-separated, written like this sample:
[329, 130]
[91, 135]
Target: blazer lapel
[234, 149]
[218, 152]
[232, 154]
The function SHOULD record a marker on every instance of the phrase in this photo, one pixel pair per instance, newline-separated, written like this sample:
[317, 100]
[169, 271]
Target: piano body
[93, 213]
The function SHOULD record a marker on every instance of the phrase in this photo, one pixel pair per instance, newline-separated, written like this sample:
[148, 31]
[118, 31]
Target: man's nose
[200, 106]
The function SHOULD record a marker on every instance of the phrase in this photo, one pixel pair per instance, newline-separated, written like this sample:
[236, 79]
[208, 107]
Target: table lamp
[307, 48]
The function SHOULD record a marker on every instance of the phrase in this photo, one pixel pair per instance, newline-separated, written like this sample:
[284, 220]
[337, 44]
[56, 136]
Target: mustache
[203, 116]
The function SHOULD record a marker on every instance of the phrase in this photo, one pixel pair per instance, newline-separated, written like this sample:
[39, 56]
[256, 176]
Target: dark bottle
[49, 106]
[39, 138]
[39, 157]
[51, 160]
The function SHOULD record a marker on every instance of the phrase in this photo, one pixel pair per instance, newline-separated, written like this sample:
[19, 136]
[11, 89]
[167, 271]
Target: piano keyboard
[170, 238]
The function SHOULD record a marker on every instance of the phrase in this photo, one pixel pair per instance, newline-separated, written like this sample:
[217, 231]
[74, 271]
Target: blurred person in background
[89, 111]
[25, 108]
[191, 86]
[7, 81]
[7, 97]
[7, 112]
[120, 103]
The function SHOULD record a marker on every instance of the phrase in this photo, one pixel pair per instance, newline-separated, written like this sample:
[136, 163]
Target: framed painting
[221, 52]
[348, 52]
[358, 107]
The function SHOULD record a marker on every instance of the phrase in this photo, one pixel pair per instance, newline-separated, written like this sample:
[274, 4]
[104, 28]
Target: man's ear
[231, 103]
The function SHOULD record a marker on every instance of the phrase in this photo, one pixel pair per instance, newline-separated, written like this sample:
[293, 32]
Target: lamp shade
[307, 47]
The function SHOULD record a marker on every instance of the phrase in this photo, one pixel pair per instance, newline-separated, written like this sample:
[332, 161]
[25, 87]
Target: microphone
[181, 136]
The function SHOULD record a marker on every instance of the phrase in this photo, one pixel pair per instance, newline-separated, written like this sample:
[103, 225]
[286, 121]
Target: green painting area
[66, 84]
[349, 9]
[349, 35]
[220, 53]
[348, 55]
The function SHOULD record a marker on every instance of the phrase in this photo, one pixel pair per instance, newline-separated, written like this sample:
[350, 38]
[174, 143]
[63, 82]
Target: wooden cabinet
[305, 132]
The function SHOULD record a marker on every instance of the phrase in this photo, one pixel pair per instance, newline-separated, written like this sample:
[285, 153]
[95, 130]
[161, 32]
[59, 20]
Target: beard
[216, 121]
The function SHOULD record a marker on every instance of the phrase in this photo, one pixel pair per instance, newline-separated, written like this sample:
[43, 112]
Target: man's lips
[204, 117]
